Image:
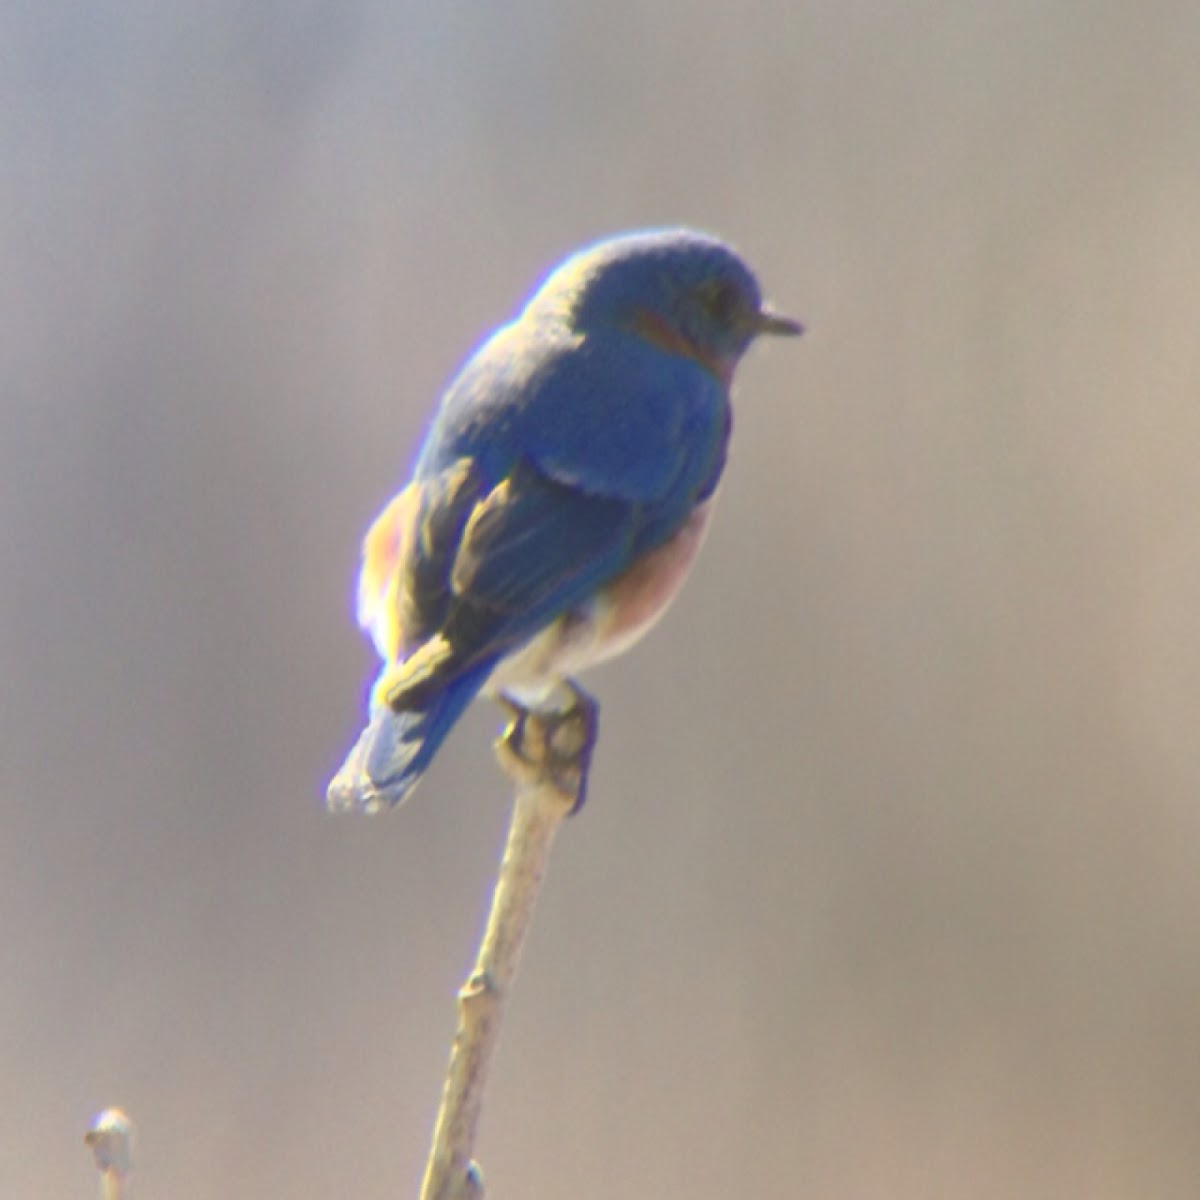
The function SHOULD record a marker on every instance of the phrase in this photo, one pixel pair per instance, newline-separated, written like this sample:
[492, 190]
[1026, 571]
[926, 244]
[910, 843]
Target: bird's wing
[549, 467]
[403, 588]
[530, 549]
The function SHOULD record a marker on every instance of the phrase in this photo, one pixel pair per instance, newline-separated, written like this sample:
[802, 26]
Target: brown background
[890, 880]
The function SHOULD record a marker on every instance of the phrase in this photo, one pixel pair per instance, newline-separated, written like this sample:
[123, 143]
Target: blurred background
[889, 883]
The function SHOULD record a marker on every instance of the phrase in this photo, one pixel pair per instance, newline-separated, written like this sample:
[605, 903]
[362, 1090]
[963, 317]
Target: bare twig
[111, 1140]
[547, 755]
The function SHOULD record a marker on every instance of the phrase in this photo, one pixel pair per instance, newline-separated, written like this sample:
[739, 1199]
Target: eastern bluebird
[560, 497]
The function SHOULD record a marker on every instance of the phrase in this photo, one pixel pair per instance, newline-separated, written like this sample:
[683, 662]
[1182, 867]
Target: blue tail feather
[395, 749]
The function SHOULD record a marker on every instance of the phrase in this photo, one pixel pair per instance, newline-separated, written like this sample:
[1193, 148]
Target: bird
[559, 498]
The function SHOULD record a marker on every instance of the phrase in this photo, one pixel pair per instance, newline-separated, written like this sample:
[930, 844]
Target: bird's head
[684, 292]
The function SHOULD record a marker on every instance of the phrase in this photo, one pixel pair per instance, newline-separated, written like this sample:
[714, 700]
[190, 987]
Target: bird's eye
[721, 301]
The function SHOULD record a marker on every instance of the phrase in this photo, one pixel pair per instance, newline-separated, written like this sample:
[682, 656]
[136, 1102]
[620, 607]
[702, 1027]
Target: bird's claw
[552, 745]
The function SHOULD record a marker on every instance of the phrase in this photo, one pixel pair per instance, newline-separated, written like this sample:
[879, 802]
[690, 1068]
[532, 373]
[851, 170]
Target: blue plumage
[560, 495]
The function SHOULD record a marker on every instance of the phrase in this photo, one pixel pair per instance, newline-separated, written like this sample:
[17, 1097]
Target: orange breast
[616, 618]
[642, 593]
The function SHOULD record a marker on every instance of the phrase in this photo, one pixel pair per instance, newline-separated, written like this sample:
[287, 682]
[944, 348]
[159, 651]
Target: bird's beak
[776, 323]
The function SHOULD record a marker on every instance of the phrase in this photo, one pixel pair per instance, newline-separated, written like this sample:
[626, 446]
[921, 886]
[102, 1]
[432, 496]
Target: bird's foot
[552, 745]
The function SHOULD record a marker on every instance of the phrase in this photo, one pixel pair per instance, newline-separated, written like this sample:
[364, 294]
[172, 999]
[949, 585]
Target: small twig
[547, 755]
[111, 1140]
